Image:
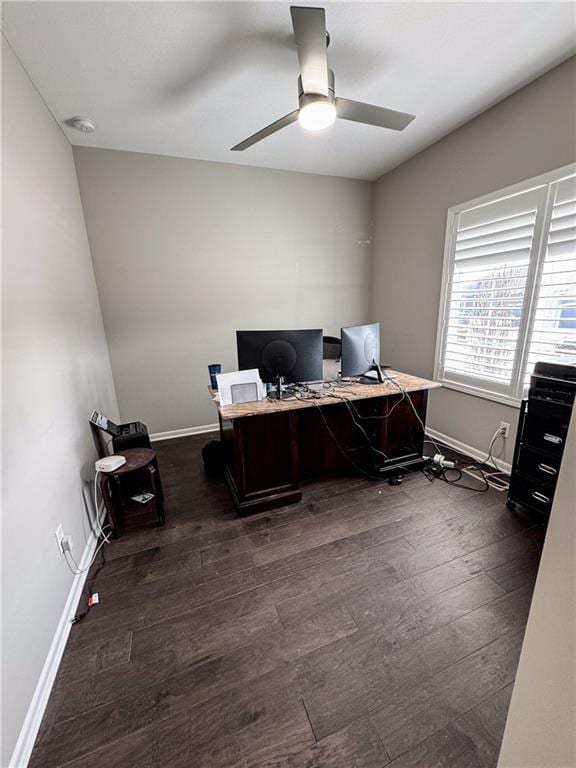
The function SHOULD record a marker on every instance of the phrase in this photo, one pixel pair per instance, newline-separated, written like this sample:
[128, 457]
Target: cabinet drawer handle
[552, 438]
[547, 470]
[540, 497]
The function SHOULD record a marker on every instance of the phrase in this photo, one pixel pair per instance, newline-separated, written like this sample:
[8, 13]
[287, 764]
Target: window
[509, 287]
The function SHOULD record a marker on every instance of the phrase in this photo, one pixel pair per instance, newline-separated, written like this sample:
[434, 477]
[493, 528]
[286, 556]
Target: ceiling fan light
[317, 115]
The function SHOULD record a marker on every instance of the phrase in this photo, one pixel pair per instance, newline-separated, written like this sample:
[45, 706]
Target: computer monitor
[361, 352]
[294, 356]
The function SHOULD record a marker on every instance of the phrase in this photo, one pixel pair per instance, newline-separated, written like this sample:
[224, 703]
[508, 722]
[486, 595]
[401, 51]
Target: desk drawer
[545, 435]
[531, 492]
[549, 409]
[540, 466]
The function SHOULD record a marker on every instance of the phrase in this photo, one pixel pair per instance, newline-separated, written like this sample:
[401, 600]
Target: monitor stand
[377, 379]
[277, 393]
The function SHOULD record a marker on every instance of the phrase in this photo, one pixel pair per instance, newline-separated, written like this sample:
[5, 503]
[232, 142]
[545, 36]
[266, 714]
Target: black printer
[134, 434]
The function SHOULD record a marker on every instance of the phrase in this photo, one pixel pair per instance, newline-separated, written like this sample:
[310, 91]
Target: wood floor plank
[411, 716]
[190, 601]
[472, 740]
[483, 529]
[409, 649]
[479, 560]
[333, 693]
[103, 655]
[355, 589]
[219, 526]
[199, 588]
[239, 728]
[355, 746]
[333, 511]
[332, 524]
[393, 663]
[234, 616]
[404, 520]
[467, 565]
[382, 519]
[417, 613]
[172, 686]
[163, 745]
[364, 620]
[515, 573]
[183, 641]
[145, 670]
[179, 567]
[505, 547]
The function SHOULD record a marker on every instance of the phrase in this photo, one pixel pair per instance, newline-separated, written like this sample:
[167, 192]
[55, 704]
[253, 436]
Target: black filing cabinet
[541, 437]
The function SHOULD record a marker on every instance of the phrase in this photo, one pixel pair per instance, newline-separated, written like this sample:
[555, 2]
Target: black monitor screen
[360, 348]
[294, 355]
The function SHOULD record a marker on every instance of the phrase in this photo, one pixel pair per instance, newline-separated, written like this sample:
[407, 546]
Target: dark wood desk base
[267, 454]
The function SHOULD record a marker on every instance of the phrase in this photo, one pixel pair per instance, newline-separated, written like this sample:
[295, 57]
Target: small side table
[141, 460]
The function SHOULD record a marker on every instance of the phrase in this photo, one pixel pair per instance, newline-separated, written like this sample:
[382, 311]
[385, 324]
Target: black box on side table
[133, 434]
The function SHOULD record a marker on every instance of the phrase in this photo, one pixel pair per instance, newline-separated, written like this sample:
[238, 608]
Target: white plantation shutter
[553, 331]
[509, 288]
[486, 291]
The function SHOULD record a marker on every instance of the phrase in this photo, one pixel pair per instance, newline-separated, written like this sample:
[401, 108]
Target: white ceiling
[193, 79]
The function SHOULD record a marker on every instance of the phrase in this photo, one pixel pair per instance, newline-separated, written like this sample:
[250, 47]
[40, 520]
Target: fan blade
[265, 132]
[371, 115]
[310, 33]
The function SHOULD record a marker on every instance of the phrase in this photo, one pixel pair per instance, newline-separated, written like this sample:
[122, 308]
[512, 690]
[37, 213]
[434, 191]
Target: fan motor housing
[307, 98]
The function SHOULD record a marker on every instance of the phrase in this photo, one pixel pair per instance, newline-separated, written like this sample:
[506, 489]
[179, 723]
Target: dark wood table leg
[157, 490]
[112, 503]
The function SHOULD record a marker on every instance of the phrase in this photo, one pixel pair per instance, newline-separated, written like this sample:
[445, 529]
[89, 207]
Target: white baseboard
[33, 719]
[174, 433]
[468, 450]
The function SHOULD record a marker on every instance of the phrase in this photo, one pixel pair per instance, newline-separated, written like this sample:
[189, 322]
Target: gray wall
[186, 252]
[529, 133]
[55, 370]
[540, 729]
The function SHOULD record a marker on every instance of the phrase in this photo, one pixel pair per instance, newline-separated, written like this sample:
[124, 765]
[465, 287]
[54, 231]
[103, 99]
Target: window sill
[496, 397]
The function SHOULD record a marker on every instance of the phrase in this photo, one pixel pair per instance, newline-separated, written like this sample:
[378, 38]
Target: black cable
[361, 428]
[344, 451]
[439, 473]
[435, 472]
[479, 466]
[341, 448]
[89, 590]
[347, 403]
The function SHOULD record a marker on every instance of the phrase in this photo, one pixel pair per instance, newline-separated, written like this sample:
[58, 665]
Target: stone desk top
[350, 391]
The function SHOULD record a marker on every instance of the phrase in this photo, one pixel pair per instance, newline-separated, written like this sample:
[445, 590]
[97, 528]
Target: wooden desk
[270, 445]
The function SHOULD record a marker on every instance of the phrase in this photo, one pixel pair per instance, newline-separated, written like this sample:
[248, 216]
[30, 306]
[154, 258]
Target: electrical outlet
[505, 428]
[59, 533]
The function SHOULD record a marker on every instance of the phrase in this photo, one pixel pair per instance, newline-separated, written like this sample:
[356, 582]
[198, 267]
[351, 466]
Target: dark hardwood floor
[367, 626]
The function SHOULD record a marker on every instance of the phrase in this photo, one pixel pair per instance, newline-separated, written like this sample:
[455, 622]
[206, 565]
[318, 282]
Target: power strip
[441, 461]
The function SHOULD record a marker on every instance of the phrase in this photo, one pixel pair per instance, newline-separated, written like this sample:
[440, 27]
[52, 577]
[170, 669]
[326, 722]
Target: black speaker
[213, 456]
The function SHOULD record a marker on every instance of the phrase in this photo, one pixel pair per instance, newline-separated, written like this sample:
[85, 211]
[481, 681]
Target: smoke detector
[82, 124]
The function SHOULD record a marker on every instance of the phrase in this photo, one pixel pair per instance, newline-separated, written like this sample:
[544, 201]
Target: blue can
[213, 370]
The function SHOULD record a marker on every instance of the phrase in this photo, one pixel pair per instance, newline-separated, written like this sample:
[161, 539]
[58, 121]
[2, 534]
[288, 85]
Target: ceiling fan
[318, 105]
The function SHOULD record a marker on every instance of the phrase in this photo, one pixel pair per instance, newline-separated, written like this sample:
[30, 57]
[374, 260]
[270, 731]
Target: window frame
[479, 387]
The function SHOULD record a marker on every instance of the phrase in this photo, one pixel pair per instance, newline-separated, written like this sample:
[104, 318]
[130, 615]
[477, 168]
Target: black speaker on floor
[213, 457]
